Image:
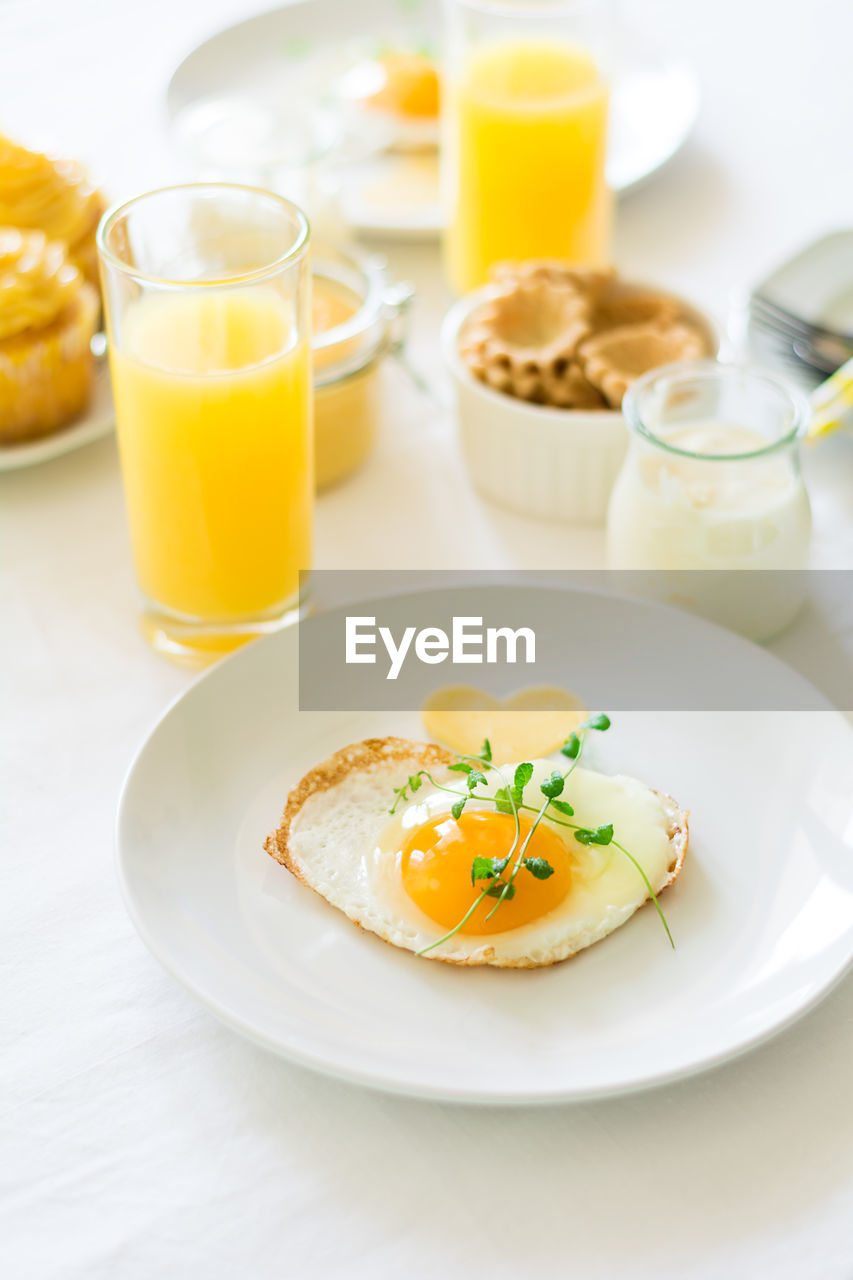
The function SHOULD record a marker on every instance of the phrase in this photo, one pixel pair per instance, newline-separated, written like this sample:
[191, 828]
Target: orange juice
[526, 159]
[213, 407]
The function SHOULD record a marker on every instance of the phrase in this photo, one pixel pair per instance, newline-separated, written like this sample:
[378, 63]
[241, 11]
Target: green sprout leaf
[502, 801]
[461, 767]
[523, 774]
[486, 751]
[504, 798]
[599, 722]
[475, 778]
[599, 835]
[571, 747]
[505, 891]
[553, 786]
[414, 781]
[563, 806]
[482, 869]
[487, 868]
[456, 809]
[538, 867]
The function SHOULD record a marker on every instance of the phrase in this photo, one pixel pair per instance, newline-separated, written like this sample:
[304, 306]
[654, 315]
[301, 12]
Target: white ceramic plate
[97, 421]
[762, 914]
[654, 104]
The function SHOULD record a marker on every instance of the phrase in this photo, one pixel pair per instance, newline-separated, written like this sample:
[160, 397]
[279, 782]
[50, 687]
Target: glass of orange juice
[524, 134]
[207, 299]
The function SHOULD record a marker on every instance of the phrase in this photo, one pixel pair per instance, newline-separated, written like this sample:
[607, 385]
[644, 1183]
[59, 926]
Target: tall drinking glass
[207, 296]
[525, 134]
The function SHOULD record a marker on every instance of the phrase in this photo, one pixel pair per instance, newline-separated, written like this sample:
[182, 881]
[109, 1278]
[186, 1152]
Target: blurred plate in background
[290, 51]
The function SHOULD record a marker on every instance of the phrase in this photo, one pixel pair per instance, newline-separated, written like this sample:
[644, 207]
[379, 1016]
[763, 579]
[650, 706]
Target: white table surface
[140, 1139]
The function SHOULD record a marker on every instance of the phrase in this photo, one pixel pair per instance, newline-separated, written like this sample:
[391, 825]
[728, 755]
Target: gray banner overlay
[616, 640]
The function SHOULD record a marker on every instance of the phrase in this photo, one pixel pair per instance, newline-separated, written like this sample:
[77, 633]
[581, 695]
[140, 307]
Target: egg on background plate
[401, 88]
[407, 877]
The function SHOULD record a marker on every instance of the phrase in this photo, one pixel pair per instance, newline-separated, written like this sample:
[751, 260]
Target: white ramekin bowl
[557, 464]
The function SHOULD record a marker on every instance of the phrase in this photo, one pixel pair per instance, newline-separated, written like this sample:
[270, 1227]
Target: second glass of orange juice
[525, 134]
[207, 295]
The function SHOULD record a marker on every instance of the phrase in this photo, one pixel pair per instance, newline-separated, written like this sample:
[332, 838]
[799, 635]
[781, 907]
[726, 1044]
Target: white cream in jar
[669, 511]
[712, 481]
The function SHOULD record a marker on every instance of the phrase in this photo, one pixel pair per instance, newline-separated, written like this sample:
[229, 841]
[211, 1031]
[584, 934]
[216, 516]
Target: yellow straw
[832, 403]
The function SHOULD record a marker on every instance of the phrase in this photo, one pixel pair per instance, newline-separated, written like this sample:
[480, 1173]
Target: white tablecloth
[140, 1139]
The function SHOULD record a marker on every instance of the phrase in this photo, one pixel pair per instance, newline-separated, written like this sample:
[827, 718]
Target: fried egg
[407, 877]
[400, 90]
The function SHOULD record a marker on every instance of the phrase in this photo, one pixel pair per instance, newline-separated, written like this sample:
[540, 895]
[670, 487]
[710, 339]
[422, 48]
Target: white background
[140, 1139]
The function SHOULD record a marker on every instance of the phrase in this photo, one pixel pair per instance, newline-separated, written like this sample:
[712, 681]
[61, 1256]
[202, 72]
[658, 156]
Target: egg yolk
[410, 86]
[436, 863]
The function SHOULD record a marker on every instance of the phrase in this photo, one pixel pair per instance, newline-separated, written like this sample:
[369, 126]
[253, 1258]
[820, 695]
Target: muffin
[40, 193]
[48, 314]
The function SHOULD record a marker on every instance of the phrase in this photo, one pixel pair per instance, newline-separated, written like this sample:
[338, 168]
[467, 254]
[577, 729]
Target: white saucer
[655, 99]
[762, 914]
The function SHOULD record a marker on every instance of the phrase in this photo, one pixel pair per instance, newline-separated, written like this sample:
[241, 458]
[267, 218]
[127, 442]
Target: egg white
[345, 845]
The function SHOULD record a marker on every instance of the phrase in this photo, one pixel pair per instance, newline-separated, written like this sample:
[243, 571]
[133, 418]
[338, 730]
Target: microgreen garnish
[553, 785]
[412, 783]
[496, 877]
[500, 889]
[523, 774]
[493, 869]
[503, 804]
[600, 835]
[539, 867]
[487, 868]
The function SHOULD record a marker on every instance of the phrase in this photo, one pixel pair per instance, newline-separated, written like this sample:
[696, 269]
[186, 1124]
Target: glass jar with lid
[712, 481]
[359, 317]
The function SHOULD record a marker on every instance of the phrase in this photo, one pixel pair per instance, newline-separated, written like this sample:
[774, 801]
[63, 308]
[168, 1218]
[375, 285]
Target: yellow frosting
[54, 196]
[37, 281]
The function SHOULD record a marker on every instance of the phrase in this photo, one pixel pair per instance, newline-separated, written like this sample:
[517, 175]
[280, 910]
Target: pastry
[619, 304]
[614, 359]
[587, 282]
[48, 314]
[38, 192]
[574, 338]
[524, 340]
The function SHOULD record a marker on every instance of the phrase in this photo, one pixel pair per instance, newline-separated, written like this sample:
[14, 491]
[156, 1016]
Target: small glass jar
[712, 480]
[359, 317]
[285, 146]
